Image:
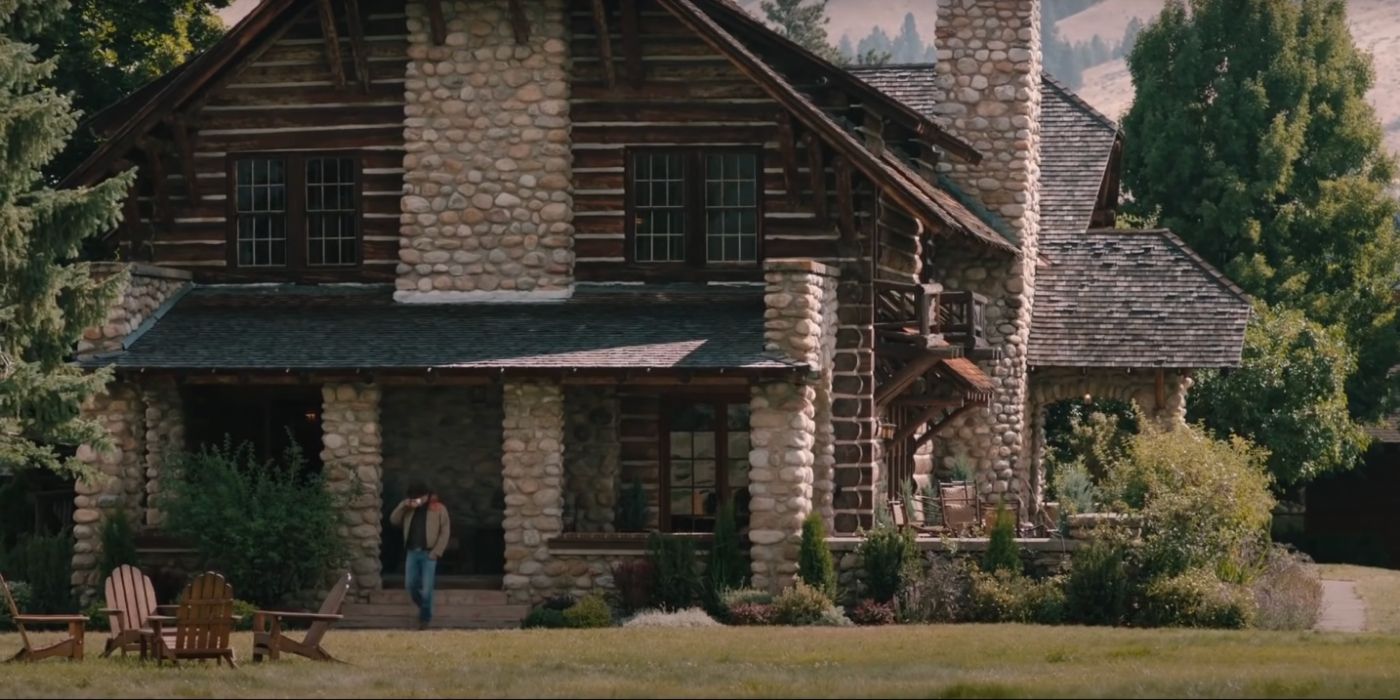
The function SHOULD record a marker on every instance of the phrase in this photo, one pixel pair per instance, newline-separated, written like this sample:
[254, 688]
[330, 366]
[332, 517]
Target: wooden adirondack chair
[202, 623]
[131, 599]
[70, 648]
[959, 502]
[269, 640]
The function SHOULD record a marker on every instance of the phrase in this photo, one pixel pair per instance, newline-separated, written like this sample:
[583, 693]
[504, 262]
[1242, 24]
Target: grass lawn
[1379, 588]
[947, 661]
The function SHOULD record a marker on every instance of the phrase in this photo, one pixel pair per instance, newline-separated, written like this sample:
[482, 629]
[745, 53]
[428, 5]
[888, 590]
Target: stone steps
[445, 616]
[441, 598]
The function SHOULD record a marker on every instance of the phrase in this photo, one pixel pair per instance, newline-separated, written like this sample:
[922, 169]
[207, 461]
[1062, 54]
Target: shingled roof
[1076, 142]
[283, 327]
[1115, 298]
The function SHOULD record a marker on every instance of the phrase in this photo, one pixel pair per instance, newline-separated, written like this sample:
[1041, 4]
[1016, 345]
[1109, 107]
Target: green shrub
[1196, 598]
[243, 615]
[814, 563]
[271, 527]
[589, 613]
[1074, 488]
[1287, 592]
[545, 618]
[1006, 597]
[1002, 552]
[632, 508]
[673, 559]
[1099, 584]
[800, 604]
[869, 612]
[24, 598]
[747, 596]
[750, 614]
[635, 582]
[45, 562]
[936, 593]
[834, 616]
[118, 544]
[727, 567]
[97, 620]
[889, 557]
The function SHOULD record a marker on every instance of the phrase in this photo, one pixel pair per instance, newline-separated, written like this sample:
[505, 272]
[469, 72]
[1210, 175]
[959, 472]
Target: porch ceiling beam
[605, 52]
[519, 23]
[356, 28]
[436, 23]
[906, 376]
[906, 431]
[332, 37]
[632, 43]
[934, 429]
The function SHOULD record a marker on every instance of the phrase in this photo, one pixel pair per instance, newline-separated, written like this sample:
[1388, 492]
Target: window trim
[663, 478]
[696, 240]
[298, 237]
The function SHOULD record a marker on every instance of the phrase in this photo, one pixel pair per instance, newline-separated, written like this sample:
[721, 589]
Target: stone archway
[1160, 394]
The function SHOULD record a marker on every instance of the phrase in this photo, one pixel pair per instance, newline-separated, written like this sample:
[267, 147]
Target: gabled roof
[1116, 298]
[286, 327]
[1076, 143]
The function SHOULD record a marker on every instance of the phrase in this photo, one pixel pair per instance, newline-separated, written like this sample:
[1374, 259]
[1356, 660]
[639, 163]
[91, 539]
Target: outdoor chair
[131, 600]
[269, 639]
[70, 648]
[959, 503]
[202, 624]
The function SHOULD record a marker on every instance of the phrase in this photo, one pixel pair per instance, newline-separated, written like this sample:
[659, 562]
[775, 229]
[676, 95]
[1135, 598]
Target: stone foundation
[354, 470]
[533, 463]
[592, 459]
[488, 204]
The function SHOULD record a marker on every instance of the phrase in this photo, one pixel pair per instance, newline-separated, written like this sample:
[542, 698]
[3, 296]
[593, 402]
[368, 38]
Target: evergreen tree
[46, 299]
[908, 46]
[846, 49]
[875, 49]
[803, 22]
[815, 567]
[1251, 137]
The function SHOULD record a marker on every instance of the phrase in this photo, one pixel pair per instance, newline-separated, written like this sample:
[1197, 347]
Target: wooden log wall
[688, 94]
[286, 99]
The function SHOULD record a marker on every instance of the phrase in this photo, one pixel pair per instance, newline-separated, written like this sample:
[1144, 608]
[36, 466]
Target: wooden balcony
[927, 317]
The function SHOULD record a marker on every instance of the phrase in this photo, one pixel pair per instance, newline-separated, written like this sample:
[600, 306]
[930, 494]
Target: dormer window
[295, 211]
[694, 207]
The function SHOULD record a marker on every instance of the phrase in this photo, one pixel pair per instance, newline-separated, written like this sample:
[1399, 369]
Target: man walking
[426, 529]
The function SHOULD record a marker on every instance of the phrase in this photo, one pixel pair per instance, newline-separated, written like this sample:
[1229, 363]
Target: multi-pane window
[330, 211]
[295, 211]
[706, 449]
[262, 212]
[694, 207]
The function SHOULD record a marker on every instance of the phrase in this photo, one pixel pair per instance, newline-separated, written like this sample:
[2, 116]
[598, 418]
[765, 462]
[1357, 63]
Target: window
[694, 207]
[295, 211]
[705, 463]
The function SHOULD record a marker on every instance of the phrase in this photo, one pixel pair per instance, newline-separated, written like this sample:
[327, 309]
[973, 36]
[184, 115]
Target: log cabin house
[536, 251]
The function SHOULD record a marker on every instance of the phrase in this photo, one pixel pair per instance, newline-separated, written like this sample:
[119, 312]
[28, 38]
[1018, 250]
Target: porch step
[457, 616]
[441, 598]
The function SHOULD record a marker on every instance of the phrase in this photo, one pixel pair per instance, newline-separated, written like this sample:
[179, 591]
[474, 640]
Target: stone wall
[533, 469]
[117, 482]
[592, 459]
[147, 289]
[989, 72]
[782, 430]
[165, 436]
[449, 437]
[351, 455]
[488, 204]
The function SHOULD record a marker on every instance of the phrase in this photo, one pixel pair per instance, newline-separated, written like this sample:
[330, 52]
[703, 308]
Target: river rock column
[533, 477]
[782, 430]
[352, 455]
[116, 482]
[165, 437]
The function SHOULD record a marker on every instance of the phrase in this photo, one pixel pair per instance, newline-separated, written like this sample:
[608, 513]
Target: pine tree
[46, 299]
[908, 46]
[814, 563]
[1251, 137]
[803, 23]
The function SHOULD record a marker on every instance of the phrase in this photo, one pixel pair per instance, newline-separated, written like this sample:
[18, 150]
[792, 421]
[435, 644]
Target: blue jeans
[419, 571]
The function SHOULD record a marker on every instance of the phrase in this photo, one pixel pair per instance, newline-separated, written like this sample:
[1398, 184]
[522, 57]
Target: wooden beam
[906, 376]
[1161, 389]
[161, 210]
[356, 27]
[519, 23]
[816, 170]
[787, 146]
[436, 23]
[605, 52]
[845, 200]
[332, 38]
[179, 129]
[632, 43]
[907, 431]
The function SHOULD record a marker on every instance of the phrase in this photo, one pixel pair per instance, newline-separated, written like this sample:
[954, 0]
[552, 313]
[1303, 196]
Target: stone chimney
[487, 212]
[989, 75]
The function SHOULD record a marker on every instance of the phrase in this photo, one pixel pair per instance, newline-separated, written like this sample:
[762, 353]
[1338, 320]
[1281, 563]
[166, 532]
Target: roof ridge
[1074, 99]
[1204, 265]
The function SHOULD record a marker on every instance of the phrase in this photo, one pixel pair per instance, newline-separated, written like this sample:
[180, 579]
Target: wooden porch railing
[927, 315]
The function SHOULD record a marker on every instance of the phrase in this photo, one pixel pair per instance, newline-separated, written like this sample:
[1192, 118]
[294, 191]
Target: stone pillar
[592, 464]
[165, 436]
[488, 199]
[116, 483]
[989, 74]
[782, 429]
[144, 291]
[352, 457]
[533, 476]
